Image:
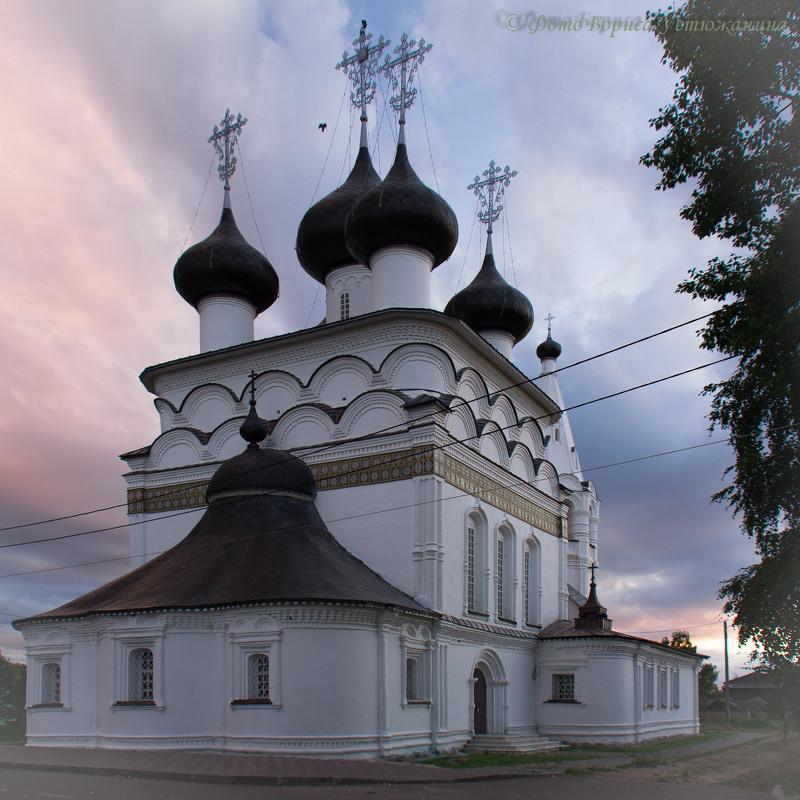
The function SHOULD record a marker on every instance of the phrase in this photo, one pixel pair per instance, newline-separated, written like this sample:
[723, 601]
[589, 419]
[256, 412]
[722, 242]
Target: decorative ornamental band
[387, 467]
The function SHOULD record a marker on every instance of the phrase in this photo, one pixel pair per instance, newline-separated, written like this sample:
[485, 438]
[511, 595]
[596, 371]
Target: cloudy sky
[108, 108]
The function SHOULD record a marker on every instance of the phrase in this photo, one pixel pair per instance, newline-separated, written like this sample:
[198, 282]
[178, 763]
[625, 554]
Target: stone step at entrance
[510, 743]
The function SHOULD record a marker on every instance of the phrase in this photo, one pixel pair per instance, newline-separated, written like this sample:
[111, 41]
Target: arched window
[531, 582]
[344, 305]
[475, 566]
[504, 574]
[140, 675]
[501, 573]
[51, 683]
[258, 677]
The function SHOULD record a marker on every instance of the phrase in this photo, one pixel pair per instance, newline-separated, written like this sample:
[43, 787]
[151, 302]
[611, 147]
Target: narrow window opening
[526, 585]
[344, 306]
[500, 577]
[258, 676]
[51, 684]
[412, 679]
[471, 568]
[141, 675]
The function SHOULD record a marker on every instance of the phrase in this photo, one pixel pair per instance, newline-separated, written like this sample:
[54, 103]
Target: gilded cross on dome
[224, 138]
[407, 60]
[361, 67]
[490, 190]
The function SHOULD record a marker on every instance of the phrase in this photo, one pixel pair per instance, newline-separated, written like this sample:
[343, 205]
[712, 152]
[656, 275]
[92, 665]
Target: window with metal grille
[51, 683]
[526, 585]
[344, 306]
[563, 686]
[500, 577]
[471, 568]
[258, 676]
[141, 675]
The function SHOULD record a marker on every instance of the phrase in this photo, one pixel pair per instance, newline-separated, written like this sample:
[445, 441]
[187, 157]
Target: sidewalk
[251, 768]
[240, 768]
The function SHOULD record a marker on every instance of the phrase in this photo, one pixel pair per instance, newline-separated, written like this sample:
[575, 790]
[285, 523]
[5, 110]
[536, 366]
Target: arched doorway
[479, 701]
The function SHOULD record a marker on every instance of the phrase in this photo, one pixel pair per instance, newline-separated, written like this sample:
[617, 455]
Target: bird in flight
[322, 126]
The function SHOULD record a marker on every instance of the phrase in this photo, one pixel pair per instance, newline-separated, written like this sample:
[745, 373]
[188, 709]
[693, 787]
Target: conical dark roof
[253, 545]
[320, 244]
[401, 211]
[549, 348]
[591, 615]
[490, 303]
[225, 263]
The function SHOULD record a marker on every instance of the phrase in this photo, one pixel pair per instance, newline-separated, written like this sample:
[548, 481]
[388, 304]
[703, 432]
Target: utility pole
[727, 676]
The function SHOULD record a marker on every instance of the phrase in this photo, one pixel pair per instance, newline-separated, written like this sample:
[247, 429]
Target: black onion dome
[401, 211]
[225, 263]
[320, 244]
[549, 348]
[490, 303]
[262, 471]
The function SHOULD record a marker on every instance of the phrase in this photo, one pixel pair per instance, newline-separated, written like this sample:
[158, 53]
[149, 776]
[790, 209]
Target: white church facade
[399, 561]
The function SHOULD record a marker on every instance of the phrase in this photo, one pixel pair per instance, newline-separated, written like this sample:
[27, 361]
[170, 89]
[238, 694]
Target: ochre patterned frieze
[398, 465]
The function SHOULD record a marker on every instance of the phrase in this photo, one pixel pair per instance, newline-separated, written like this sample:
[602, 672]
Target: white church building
[363, 538]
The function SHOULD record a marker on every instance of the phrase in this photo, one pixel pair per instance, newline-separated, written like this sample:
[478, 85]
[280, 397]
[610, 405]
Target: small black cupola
[591, 615]
[491, 303]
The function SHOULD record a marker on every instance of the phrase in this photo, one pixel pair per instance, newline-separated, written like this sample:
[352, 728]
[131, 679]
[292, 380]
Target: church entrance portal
[479, 701]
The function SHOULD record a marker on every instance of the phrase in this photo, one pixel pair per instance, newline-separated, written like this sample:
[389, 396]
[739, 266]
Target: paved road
[22, 784]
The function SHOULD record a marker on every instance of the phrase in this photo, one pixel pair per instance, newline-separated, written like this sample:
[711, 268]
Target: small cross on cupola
[361, 67]
[490, 192]
[406, 63]
[224, 138]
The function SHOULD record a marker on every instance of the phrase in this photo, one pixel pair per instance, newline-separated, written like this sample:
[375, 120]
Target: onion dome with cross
[321, 244]
[492, 307]
[402, 229]
[549, 348]
[227, 280]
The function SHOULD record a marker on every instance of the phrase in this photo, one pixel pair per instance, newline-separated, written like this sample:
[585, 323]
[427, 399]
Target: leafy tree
[733, 132]
[707, 682]
[12, 692]
[680, 639]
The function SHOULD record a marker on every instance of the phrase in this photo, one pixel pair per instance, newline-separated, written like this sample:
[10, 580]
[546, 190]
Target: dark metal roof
[320, 244]
[566, 629]
[225, 263]
[248, 548]
[490, 303]
[262, 470]
[401, 211]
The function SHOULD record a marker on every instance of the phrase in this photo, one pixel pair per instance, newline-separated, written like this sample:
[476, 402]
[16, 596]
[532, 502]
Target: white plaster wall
[454, 523]
[354, 279]
[401, 277]
[152, 534]
[334, 693]
[381, 540]
[225, 320]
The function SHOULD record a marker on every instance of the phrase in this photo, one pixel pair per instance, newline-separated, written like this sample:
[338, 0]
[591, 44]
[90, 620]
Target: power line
[372, 436]
[390, 428]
